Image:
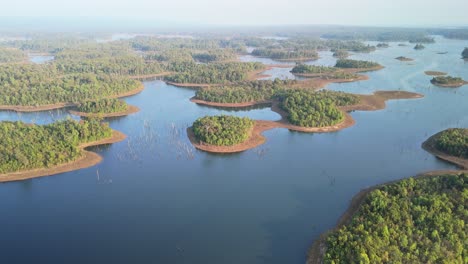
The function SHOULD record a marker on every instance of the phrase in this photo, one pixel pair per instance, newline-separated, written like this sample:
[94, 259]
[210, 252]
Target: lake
[155, 199]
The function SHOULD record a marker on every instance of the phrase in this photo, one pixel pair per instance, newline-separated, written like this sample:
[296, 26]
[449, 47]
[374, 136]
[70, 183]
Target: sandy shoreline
[317, 250]
[372, 102]
[40, 108]
[131, 109]
[435, 73]
[88, 159]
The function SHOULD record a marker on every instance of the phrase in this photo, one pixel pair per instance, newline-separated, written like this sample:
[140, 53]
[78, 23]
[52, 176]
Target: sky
[253, 12]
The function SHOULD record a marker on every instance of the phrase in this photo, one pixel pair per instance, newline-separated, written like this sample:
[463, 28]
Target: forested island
[383, 45]
[222, 130]
[450, 145]
[315, 109]
[402, 58]
[342, 54]
[465, 53]
[357, 64]
[419, 47]
[416, 220]
[111, 107]
[29, 150]
[448, 81]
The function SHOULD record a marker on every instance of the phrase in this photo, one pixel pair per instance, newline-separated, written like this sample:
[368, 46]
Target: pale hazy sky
[254, 12]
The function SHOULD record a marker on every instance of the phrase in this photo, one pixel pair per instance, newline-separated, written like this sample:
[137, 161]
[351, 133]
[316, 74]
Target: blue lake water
[158, 200]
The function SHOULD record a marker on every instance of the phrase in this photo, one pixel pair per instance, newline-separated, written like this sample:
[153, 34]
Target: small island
[383, 45]
[448, 81]
[30, 151]
[435, 73]
[342, 54]
[450, 145]
[401, 58]
[419, 47]
[224, 134]
[465, 54]
[111, 107]
[416, 220]
[358, 64]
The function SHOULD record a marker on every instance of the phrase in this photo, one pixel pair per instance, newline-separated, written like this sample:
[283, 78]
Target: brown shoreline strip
[88, 159]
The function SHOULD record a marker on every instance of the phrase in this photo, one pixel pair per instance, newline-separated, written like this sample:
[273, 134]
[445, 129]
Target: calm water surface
[158, 200]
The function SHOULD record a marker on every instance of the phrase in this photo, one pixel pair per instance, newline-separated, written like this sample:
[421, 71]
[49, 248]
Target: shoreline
[372, 102]
[435, 73]
[88, 159]
[19, 108]
[428, 146]
[316, 252]
[131, 109]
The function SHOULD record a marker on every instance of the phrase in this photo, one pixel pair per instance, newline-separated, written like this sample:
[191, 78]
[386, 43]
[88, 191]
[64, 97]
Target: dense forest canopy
[103, 106]
[243, 92]
[304, 68]
[358, 64]
[34, 85]
[12, 55]
[280, 54]
[222, 130]
[215, 73]
[315, 109]
[453, 141]
[412, 221]
[27, 146]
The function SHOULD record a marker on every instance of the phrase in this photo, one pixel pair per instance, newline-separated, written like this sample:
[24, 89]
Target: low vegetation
[222, 130]
[27, 146]
[103, 106]
[417, 220]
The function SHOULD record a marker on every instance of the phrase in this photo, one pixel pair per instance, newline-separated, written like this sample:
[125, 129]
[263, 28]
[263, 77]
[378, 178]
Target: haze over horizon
[416, 13]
